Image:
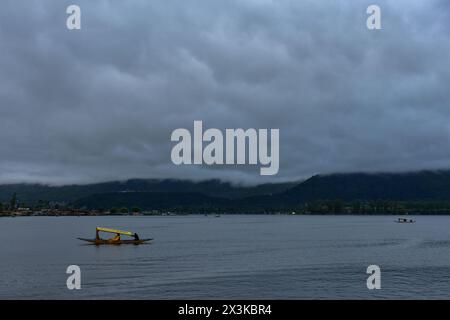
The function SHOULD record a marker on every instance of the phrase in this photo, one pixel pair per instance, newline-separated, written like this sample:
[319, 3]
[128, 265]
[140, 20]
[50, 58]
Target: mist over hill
[421, 186]
[183, 195]
[31, 193]
[413, 186]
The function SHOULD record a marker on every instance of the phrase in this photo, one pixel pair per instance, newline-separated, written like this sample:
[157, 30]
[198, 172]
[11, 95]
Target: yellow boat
[117, 239]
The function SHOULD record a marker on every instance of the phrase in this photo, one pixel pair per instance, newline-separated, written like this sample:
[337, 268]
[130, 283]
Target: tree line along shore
[323, 207]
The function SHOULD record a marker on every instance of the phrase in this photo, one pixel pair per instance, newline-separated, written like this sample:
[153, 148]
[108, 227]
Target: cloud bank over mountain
[100, 103]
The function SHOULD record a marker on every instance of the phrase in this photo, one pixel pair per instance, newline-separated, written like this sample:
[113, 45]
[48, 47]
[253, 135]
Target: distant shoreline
[3, 215]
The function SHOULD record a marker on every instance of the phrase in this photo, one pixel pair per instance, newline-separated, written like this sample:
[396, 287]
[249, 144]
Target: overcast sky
[100, 103]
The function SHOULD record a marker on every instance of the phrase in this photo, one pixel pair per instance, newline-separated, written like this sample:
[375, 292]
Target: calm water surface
[198, 257]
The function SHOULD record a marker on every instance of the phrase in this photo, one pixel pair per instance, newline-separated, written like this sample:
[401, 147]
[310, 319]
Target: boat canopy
[127, 233]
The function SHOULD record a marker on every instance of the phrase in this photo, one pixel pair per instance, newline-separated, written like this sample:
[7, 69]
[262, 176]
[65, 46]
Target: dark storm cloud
[100, 103]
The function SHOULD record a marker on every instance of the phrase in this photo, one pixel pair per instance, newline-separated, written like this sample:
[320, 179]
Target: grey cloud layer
[100, 103]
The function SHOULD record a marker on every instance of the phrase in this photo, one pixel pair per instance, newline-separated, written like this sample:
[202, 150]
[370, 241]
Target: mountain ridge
[32, 193]
[420, 186]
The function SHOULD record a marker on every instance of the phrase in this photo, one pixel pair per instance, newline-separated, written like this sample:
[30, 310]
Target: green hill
[30, 194]
[413, 187]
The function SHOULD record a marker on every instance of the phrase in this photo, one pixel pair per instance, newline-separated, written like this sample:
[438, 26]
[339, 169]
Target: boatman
[136, 237]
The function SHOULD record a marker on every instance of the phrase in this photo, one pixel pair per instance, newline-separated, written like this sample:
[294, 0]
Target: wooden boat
[109, 241]
[117, 239]
[404, 220]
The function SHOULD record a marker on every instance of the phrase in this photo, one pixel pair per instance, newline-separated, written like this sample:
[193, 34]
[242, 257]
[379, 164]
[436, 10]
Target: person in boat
[136, 237]
[116, 238]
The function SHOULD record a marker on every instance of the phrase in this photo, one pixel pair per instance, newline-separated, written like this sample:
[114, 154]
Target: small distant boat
[117, 240]
[405, 220]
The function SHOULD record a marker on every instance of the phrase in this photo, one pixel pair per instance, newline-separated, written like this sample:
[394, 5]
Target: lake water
[242, 256]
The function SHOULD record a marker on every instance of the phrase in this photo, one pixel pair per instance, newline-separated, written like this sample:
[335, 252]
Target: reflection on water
[195, 257]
